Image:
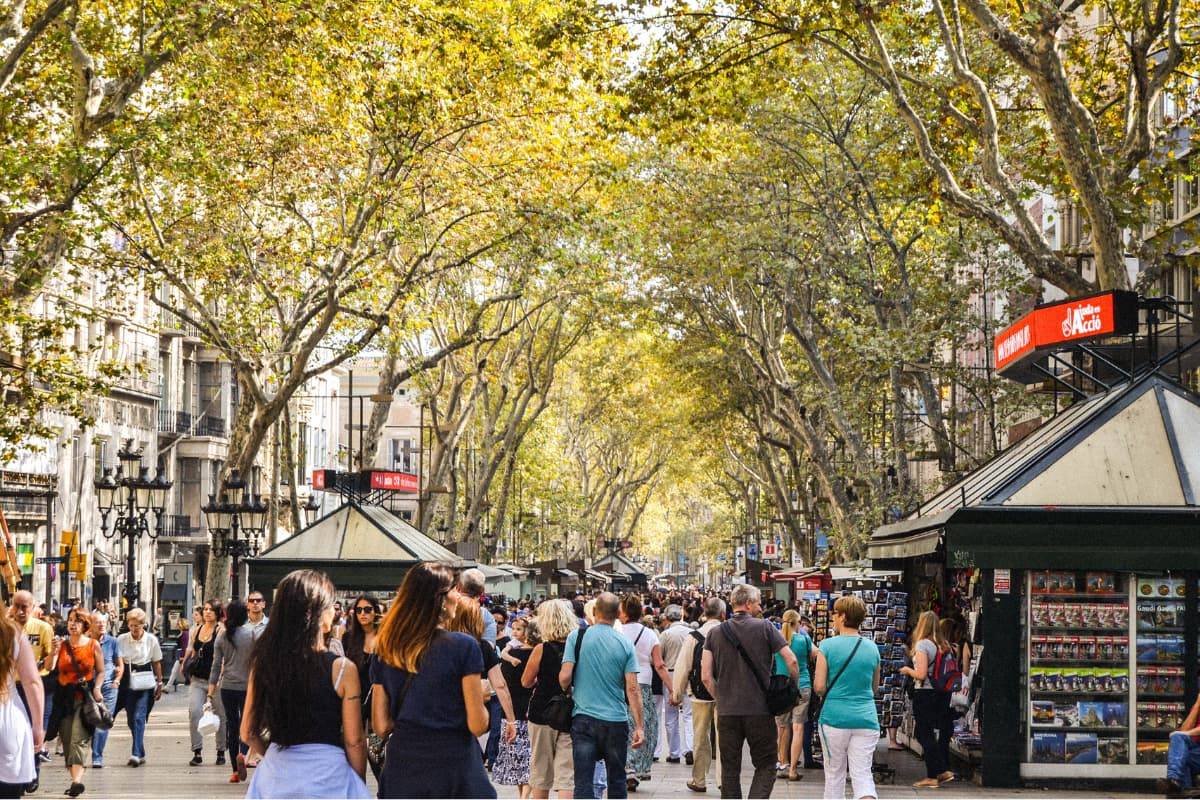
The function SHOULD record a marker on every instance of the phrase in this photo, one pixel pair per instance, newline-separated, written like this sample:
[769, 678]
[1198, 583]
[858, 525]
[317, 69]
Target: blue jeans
[137, 708]
[1183, 759]
[100, 736]
[594, 740]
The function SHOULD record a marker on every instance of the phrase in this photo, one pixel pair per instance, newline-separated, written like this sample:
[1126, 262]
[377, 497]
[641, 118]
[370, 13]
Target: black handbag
[781, 691]
[561, 708]
[95, 715]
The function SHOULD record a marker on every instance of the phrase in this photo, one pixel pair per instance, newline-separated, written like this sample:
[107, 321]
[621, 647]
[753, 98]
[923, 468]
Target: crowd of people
[436, 688]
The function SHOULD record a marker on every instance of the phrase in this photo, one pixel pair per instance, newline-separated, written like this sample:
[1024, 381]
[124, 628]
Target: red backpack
[947, 676]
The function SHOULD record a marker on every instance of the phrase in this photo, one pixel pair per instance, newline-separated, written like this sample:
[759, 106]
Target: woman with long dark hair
[230, 674]
[302, 702]
[428, 694]
[358, 643]
[201, 650]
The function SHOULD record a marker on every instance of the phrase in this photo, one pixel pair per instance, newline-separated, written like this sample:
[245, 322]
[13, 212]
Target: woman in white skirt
[303, 702]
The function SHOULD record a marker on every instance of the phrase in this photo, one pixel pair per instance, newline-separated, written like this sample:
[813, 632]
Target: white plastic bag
[209, 721]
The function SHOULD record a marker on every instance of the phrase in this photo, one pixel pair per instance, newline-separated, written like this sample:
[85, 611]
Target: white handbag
[141, 680]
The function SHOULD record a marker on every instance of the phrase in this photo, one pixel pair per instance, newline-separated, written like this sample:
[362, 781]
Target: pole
[350, 411]
[235, 584]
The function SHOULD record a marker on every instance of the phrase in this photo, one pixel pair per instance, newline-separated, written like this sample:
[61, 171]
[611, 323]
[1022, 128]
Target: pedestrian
[603, 667]
[21, 731]
[790, 724]
[114, 667]
[735, 676]
[687, 681]
[427, 694]
[503, 632]
[143, 683]
[677, 714]
[358, 643]
[1183, 756]
[552, 761]
[650, 662]
[44, 643]
[256, 611]
[201, 651]
[177, 677]
[466, 619]
[229, 677]
[302, 702]
[931, 707]
[847, 675]
[512, 764]
[80, 668]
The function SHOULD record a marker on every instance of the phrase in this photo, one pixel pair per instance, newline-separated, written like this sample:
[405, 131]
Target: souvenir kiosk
[1078, 551]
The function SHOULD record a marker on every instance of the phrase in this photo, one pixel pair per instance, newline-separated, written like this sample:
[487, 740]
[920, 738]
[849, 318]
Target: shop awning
[1118, 455]
[597, 576]
[566, 573]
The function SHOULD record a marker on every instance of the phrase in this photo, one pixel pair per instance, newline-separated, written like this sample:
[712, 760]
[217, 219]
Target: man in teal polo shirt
[606, 691]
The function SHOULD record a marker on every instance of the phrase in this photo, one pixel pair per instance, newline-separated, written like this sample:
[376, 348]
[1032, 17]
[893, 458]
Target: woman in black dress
[427, 698]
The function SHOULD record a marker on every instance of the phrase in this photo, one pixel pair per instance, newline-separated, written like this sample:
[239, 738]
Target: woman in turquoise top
[849, 722]
[791, 723]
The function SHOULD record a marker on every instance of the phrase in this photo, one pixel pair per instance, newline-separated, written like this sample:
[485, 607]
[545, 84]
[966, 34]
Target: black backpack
[698, 689]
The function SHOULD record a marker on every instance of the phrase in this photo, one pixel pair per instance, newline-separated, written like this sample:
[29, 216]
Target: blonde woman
[141, 653]
[552, 762]
[931, 708]
[791, 723]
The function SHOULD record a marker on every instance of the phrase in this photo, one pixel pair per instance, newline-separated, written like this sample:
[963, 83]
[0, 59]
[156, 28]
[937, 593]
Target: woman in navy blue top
[429, 695]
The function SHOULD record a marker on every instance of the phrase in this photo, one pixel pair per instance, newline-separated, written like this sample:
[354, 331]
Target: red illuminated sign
[318, 478]
[1061, 323]
[395, 481]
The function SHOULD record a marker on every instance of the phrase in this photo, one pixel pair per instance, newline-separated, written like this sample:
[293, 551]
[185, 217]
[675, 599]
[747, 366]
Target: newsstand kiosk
[1081, 548]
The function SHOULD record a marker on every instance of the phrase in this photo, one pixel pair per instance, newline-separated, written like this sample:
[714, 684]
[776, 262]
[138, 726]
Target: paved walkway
[167, 774]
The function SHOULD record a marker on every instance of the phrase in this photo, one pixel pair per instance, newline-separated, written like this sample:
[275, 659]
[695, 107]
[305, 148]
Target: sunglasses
[365, 610]
[255, 600]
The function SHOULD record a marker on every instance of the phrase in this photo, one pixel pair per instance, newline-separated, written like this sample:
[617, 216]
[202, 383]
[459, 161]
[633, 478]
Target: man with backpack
[687, 682]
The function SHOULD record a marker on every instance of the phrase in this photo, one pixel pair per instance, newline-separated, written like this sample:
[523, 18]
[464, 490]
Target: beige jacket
[683, 664]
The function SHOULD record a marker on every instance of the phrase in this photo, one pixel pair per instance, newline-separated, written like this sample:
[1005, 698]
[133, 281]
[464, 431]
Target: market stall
[1073, 557]
[624, 574]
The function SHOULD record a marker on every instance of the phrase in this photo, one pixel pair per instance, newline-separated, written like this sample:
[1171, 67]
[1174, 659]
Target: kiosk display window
[1105, 668]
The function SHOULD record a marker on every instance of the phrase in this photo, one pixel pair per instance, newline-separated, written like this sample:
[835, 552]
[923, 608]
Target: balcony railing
[210, 426]
[179, 526]
[169, 421]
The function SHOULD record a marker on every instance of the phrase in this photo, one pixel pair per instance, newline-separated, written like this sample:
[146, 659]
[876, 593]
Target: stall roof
[618, 564]
[598, 576]
[355, 532]
[1133, 448]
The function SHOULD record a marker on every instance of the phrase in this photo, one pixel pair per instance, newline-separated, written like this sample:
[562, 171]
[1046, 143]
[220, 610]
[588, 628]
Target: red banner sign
[318, 479]
[395, 481]
[1067, 321]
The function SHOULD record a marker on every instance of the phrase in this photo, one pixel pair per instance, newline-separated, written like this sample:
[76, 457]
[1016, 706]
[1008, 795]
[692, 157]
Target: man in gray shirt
[742, 712]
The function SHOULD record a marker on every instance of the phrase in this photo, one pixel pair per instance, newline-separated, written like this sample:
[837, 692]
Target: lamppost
[311, 508]
[236, 522]
[132, 495]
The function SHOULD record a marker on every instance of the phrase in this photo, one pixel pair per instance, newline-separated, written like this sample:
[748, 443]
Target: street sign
[51, 560]
[770, 550]
[753, 551]
[70, 539]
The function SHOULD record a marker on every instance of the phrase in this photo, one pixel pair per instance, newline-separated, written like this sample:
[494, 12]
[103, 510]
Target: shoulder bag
[561, 708]
[95, 715]
[376, 744]
[781, 691]
[819, 700]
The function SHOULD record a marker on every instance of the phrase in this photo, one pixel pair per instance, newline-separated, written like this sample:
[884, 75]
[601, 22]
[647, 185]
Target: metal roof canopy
[359, 546]
[1083, 481]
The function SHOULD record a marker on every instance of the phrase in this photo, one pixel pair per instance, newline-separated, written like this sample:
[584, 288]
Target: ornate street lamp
[235, 521]
[132, 495]
[311, 509]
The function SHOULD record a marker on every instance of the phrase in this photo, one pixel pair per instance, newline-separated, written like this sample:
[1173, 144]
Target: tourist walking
[846, 675]
[687, 682]
[677, 714]
[80, 668]
[256, 611]
[114, 666]
[143, 681]
[302, 702]
[176, 676]
[427, 694]
[229, 677]
[21, 732]
[931, 707]
[201, 651]
[552, 761]
[650, 662]
[791, 723]
[466, 619]
[42, 640]
[358, 643]
[512, 764]
[602, 666]
[735, 676]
